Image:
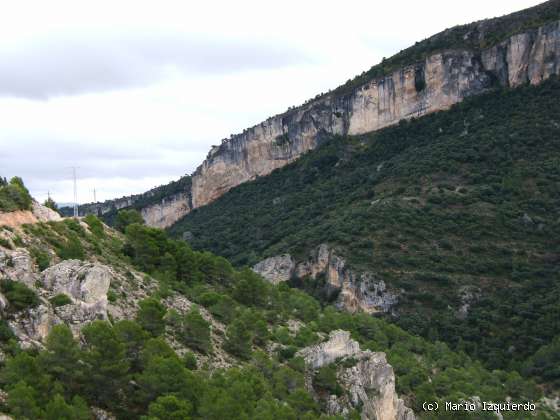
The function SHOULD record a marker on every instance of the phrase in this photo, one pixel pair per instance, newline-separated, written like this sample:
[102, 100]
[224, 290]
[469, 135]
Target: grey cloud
[64, 66]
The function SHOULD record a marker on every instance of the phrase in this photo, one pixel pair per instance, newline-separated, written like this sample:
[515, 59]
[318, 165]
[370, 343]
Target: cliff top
[473, 36]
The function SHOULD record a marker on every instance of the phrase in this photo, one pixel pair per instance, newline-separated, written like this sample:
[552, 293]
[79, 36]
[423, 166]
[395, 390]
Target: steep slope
[428, 77]
[456, 213]
[94, 322]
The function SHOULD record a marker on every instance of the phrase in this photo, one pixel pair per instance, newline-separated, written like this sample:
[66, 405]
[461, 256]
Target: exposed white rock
[32, 326]
[339, 345]
[44, 214]
[446, 77]
[369, 383]
[168, 211]
[3, 302]
[276, 269]
[19, 265]
[85, 282]
[356, 292]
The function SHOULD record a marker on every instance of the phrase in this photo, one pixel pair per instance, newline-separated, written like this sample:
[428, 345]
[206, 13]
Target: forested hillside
[462, 200]
[162, 362]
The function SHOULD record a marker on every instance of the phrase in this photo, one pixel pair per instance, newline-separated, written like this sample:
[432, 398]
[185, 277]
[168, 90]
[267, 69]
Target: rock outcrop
[166, 212]
[38, 213]
[434, 84]
[85, 284]
[369, 381]
[160, 206]
[356, 292]
[276, 269]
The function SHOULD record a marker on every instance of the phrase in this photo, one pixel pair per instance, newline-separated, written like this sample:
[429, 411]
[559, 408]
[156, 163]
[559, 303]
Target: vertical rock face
[356, 292]
[530, 57]
[369, 383]
[435, 84]
[160, 207]
[168, 211]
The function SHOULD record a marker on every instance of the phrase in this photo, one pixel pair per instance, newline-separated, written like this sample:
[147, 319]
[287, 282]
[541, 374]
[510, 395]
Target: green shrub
[60, 300]
[6, 332]
[14, 196]
[126, 218]
[18, 241]
[41, 257]
[194, 331]
[150, 316]
[325, 379]
[19, 295]
[112, 296]
[190, 360]
[95, 225]
[71, 248]
[74, 225]
[6, 243]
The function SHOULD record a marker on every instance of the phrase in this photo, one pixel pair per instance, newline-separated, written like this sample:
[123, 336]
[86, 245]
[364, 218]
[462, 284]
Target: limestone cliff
[160, 207]
[436, 83]
[355, 291]
[367, 378]
[464, 65]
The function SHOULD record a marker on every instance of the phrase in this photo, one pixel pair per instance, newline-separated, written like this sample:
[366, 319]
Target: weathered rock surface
[434, 84]
[339, 345]
[18, 265]
[168, 211]
[157, 211]
[276, 269]
[86, 284]
[45, 214]
[83, 282]
[356, 292]
[369, 383]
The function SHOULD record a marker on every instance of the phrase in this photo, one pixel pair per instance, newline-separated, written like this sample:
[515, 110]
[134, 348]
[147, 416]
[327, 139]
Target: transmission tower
[75, 191]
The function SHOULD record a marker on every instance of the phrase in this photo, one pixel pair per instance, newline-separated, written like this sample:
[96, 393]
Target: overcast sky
[134, 93]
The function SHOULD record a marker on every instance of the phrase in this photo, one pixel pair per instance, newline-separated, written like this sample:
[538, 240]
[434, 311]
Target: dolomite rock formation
[44, 214]
[434, 84]
[355, 291]
[168, 211]
[276, 269]
[159, 212]
[369, 383]
[86, 284]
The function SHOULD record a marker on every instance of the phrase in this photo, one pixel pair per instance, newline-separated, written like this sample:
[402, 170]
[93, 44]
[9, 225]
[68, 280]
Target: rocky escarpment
[160, 207]
[440, 80]
[367, 379]
[354, 291]
[436, 83]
